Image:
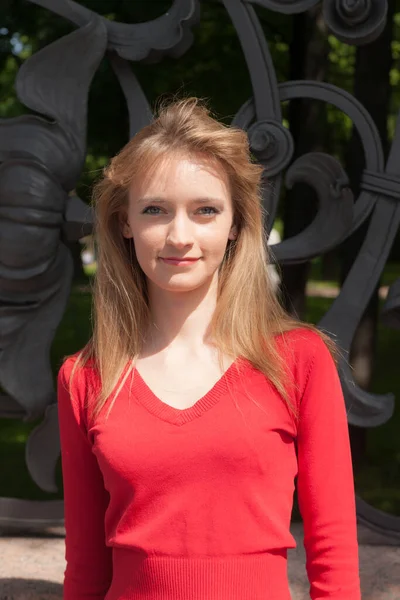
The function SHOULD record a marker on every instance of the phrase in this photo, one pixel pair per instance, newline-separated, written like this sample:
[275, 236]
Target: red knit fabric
[195, 504]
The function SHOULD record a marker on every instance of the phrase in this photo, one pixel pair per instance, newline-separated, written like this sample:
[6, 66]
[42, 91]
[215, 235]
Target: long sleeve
[89, 561]
[325, 483]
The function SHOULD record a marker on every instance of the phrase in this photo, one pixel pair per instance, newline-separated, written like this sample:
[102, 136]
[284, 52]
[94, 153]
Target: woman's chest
[241, 437]
[183, 384]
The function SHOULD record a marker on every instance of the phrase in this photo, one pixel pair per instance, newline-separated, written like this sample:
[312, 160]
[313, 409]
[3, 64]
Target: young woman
[197, 402]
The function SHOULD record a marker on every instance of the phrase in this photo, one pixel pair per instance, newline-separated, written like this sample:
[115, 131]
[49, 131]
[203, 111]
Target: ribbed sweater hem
[246, 577]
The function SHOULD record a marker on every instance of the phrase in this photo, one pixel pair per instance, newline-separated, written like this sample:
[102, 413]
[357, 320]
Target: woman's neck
[180, 319]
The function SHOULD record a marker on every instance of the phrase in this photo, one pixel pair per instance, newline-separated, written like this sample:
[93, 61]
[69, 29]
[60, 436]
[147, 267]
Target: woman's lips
[179, 261]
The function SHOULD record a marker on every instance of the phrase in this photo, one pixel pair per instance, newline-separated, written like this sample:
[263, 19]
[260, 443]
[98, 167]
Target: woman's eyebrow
[202, 200]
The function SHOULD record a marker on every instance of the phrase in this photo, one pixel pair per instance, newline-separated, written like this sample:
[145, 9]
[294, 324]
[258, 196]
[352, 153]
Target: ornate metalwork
[352, 21]
[168, 35]
[355, 22]
[41, 162]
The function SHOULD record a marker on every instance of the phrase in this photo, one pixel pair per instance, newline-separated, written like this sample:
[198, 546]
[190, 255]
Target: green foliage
[342, 58]
[9, 105]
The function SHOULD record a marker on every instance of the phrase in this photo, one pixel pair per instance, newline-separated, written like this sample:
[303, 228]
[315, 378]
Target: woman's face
[180, 219]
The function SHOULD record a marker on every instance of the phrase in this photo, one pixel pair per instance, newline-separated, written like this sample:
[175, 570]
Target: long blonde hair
[248, 314]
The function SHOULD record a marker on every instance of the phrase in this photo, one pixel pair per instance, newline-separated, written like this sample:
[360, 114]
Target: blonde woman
[197, 402]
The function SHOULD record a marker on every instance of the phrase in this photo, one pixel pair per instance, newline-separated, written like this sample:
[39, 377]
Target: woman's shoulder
[79, 367]
[302, 336]
[78, 385]
[304, 345]
[305, 350]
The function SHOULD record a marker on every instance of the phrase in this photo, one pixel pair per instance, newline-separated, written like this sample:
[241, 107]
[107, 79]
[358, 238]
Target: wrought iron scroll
[46, 158]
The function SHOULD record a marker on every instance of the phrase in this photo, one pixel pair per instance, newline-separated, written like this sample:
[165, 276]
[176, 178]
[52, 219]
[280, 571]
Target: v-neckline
[180, 416]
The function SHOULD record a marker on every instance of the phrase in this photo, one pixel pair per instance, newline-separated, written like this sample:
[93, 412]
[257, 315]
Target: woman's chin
[181, 283]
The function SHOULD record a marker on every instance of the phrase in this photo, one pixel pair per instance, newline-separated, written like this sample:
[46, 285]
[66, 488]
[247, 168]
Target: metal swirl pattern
[272, 144]
[355, 21]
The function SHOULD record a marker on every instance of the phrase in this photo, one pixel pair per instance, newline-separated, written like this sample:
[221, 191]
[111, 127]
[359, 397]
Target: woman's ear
[233, 233]
[124, 224]
[126, 232]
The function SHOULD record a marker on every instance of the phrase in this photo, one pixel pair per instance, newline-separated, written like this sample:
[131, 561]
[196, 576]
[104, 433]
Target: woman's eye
[151, 210]
[205, 210]
[210, 210]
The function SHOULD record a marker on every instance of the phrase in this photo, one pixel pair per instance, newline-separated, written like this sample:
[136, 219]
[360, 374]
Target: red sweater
[195, 504]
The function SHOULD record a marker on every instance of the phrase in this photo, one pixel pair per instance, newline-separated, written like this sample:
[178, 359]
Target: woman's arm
[325, 483]
[89, 561]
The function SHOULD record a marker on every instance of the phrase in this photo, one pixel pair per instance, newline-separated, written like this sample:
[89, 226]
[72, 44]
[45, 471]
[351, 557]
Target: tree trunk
[372, 89]
[309, 58]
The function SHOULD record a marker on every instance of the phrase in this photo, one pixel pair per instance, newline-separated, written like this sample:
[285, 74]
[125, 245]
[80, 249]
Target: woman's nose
[180, 232]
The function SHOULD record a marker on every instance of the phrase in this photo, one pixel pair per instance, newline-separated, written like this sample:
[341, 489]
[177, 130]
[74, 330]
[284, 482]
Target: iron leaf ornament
[168, 35]
[41, 160]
